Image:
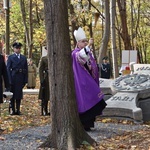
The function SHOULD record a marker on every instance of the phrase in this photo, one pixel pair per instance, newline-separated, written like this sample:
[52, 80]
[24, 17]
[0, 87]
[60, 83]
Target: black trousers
[45, 105]
[15, 104]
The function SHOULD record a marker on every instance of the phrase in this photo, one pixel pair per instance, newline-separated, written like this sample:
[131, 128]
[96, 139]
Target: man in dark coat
[3, 77]
[18, 76]
[44, 87]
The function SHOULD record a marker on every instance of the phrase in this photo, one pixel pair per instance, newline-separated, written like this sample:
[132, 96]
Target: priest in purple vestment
[89, 96]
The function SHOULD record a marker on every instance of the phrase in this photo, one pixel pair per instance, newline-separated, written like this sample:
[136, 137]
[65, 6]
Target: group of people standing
[89, 96]
[17, 72]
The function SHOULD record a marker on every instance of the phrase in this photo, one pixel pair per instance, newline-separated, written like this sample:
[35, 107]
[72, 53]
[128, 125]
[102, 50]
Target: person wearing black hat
[105, 69]
[18, 76]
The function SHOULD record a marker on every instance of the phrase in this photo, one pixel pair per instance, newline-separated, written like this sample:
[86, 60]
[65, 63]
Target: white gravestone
[144, 100]
[131, 92]
[105, 85]
[142, 68]
[123, 105]
[128, 56]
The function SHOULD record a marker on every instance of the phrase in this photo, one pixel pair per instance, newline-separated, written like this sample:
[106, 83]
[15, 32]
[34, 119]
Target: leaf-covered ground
[31, 116]
[137, 140]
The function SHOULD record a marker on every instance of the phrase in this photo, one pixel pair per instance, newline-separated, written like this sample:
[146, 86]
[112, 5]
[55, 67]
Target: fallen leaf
[2, 138]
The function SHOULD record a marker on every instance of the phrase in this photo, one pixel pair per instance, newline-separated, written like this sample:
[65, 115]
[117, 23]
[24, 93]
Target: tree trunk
[113, 38]
[30, 29]
[106, 35]
[66, 130]
[123, 16]
[22, 5]
[91, 31]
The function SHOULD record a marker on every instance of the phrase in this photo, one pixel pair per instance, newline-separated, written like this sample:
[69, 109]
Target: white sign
[128, 56]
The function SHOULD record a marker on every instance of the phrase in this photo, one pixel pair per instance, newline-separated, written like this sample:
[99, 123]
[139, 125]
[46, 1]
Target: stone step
[31, 91]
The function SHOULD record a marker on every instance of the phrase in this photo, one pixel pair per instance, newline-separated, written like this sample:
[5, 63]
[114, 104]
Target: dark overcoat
[3, 76]
[43, 74]
[105, 71]
[18, 74]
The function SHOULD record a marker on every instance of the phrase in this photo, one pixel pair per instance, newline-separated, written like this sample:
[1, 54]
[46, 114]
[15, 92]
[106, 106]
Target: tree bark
[123, 16]
[30, 29]
[66, 129]
[106, 35]
[22, 6]
[113, 38]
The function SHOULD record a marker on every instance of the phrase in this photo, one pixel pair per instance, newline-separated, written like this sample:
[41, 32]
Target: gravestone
[105, 85]
[132, 95]
[144, 104]
[144, 100]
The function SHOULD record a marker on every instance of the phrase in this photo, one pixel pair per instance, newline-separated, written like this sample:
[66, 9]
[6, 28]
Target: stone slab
[105, 85]
[132, 83]
[107, 96]
[141, 68]
[144, 104]
[123, 105]
[31, 91]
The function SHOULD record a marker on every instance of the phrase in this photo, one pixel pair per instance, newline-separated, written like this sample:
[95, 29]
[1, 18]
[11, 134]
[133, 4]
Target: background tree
[30, 28]
[66, 129]
[23, 12]
[123, 17]
[113, 38]
[106, 35]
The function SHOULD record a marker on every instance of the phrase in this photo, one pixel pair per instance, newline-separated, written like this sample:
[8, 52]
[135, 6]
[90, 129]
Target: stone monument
[105, 85]
[132, 96]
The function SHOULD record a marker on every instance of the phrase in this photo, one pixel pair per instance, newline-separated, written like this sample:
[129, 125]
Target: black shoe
[18, 113]
[48, 114]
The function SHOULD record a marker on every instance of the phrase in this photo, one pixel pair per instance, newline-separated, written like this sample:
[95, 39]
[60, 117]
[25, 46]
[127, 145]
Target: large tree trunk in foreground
[67, 131]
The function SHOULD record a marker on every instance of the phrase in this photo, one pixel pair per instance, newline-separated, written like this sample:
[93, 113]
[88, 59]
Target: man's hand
[91, 41]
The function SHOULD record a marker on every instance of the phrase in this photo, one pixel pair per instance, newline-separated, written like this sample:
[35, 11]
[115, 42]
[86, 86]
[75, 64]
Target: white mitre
[79, 34]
